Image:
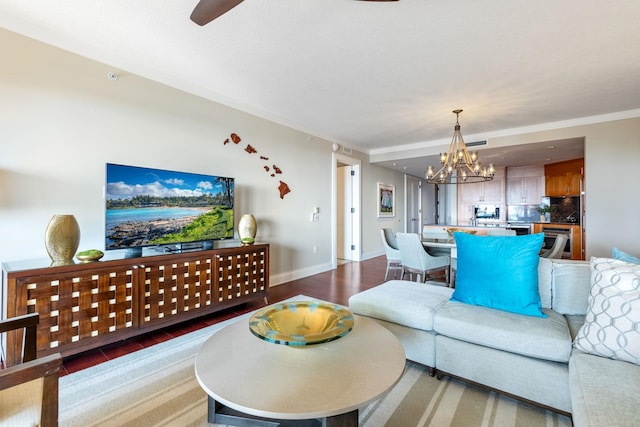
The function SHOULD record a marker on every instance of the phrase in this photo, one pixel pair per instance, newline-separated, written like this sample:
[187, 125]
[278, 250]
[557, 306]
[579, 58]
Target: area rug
[156, 386]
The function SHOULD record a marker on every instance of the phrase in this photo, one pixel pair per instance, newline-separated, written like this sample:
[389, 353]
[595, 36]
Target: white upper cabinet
[490, 192]
[525, 185]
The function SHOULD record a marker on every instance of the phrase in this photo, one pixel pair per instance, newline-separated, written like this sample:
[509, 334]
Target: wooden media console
[84, 306]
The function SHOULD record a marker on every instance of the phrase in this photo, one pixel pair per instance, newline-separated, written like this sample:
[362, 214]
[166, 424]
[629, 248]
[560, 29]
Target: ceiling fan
[208, 10]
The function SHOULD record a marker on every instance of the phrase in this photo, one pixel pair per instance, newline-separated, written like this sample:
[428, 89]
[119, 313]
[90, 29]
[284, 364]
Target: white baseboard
[372, 255]
[279, 279]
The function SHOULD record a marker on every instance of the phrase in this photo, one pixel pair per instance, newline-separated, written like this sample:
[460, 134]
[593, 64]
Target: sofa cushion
[611, 324]
[575, 322]
[545, 280]
[499, 272]
[571, 286]
[603, 391]
[545, 338]
[406, 303]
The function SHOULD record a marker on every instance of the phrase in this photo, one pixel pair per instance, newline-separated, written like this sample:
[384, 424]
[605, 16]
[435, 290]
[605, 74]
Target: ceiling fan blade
[208, 10]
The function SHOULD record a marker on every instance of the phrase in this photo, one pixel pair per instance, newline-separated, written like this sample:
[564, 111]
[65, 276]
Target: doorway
[345, 222]
[413, 204]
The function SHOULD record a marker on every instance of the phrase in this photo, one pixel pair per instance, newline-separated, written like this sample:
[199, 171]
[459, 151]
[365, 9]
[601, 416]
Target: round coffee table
[258, 379]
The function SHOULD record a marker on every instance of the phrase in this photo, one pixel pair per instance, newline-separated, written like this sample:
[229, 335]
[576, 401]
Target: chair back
[390, 244]
[413, 255]
[415, 259]
[557, 249]
[411, 250]
[29, 390]
[28, 325]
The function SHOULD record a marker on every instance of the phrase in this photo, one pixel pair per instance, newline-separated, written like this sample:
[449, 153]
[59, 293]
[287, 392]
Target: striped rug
[157, 387]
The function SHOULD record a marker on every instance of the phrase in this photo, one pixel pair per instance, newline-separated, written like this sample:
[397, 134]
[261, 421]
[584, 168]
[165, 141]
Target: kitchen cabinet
[486, 192]
[525, 185]
[564, 178]
[85, 306]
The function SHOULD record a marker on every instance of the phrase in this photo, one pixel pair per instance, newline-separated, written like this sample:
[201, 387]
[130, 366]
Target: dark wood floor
[335, 286]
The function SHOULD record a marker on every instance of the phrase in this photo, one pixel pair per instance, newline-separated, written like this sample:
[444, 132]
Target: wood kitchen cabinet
[84, 306]
[525, 185]
[564, 178]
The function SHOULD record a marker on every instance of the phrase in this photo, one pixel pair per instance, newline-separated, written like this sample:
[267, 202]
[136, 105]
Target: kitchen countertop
[564, 224]
[497, 225]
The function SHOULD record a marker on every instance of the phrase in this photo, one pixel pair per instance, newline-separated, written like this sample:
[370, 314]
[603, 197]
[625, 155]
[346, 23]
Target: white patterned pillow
[612, 324]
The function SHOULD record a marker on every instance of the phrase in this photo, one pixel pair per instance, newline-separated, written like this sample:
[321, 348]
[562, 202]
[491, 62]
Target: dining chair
[391, 251]
[416, 260]
[29, 390]
[557, 249]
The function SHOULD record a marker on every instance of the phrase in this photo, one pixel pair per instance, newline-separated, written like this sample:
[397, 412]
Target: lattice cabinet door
[174, 286]
[78, 305]
[241, 273]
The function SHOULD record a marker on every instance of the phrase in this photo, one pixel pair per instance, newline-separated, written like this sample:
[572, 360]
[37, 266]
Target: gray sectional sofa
[531, 358]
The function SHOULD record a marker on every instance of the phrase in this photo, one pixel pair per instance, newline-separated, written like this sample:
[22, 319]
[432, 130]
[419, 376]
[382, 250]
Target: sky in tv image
[129, 181]
[147, 207]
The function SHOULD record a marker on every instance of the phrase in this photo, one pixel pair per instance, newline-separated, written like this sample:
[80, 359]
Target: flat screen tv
[156, 207]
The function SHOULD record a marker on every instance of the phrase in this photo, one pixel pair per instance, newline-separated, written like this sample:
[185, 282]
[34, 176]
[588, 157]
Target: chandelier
[459, 166]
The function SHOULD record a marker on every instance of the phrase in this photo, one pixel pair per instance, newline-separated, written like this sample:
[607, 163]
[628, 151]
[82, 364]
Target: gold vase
[247, 228]
[62, 238]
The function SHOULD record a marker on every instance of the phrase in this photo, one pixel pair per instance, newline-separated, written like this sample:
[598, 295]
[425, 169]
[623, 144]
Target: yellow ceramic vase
[62, 238]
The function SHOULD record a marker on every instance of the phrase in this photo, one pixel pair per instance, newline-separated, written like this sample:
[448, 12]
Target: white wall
[62, 119]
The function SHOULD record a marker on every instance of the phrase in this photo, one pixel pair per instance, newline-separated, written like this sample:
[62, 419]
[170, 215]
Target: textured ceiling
[378, 77]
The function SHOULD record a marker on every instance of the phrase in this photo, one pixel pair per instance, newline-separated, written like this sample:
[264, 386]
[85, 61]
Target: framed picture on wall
[386, 200]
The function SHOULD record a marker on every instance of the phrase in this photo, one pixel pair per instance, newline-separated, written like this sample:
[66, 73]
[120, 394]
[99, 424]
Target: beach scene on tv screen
[147, 207]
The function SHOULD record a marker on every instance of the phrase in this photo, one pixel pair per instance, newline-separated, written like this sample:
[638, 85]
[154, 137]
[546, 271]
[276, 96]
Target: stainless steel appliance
[486, 215]
[520, 228]
[550, 233]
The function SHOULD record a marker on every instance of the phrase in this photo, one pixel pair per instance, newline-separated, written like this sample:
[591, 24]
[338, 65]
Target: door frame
[357, 218]
[407, 205]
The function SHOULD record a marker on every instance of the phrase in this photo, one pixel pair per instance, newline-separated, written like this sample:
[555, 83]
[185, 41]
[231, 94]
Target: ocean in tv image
[147, 207]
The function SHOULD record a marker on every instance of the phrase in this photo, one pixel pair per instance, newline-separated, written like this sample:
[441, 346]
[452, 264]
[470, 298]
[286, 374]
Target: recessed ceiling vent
[476, 143]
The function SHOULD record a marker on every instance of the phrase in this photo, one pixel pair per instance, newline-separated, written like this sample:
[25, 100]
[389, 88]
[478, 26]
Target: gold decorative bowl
[452, 230]
[89, 256]
[301, 323]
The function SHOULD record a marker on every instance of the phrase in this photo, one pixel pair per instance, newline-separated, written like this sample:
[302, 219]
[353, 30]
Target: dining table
[440, 243]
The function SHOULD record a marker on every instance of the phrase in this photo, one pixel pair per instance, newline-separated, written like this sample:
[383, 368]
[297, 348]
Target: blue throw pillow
[623, 256]
[500, 272]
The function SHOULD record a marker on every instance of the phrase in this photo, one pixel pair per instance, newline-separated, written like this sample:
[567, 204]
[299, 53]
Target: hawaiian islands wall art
[269, 168]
